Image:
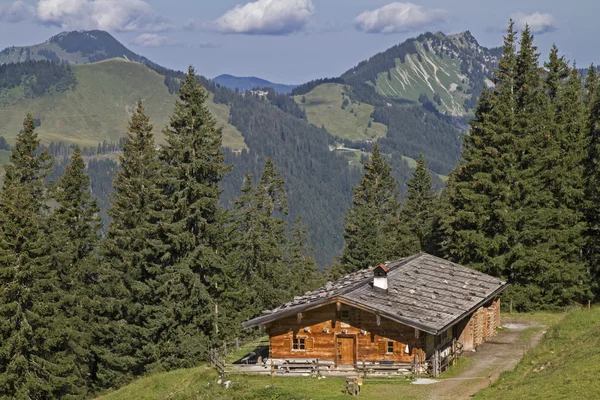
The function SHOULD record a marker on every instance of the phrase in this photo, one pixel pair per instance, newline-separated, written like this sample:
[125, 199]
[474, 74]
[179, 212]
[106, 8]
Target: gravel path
[500, 354]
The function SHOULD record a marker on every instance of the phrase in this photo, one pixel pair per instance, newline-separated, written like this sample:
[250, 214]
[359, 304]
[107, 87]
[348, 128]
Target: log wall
[321, 327]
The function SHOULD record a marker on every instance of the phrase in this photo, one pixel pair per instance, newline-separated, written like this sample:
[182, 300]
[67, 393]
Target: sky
[294, 41]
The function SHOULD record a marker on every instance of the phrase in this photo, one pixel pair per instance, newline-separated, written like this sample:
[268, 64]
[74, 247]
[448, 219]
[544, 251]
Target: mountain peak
[73, 47]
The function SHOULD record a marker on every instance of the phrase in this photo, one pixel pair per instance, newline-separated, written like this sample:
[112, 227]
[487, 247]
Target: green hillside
[563, 366]
[447, 70]
[99, 107]
[323, 106]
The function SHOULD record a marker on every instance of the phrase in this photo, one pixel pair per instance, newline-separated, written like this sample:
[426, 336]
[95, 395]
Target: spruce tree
[373, 232]
[303, 267]
[74, 227]
[418, 210]
[545, 265]
[262, 276]
[481, 226]
[37, 342]
[592, 178]
[192, 169]
[127, 289]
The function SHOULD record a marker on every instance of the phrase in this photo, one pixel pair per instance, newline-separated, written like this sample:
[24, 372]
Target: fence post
[318, 371]
[225, 350]
[364, 370]
[272, 368]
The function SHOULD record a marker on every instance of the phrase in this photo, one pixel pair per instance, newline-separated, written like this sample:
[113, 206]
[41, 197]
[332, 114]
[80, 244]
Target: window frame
[390, 344]
[302, 343]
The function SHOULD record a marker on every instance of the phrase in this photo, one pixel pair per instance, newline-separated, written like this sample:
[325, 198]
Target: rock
[227, 384]
[219, 381]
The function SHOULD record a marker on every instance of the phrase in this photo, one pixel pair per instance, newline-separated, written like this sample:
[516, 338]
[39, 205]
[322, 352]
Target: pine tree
[303, 267]
[192, 169]
[37, 343]
[131, 266]
[73, 237]
[418, 210]
[592, 178]
[260, 243]
[372, 233]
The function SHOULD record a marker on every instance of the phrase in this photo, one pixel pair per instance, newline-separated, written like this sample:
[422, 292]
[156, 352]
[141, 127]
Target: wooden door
[345, 350]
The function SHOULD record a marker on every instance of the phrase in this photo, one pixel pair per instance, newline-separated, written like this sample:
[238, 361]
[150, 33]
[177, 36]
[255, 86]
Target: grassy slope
[323, 107]
[100, 106]
[563, 366]
[432, 75]
[575, 332]
[200, 383]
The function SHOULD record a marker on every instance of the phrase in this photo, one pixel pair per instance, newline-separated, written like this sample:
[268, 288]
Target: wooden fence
[441, 363]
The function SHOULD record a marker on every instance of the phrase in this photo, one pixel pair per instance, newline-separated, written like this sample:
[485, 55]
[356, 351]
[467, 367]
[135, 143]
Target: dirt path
[500, 354]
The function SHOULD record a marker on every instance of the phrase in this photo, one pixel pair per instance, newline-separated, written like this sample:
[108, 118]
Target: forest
[38, 77]
[177, 270]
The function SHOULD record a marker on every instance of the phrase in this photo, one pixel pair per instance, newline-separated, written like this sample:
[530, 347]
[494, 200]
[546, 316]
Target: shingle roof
[425, 292]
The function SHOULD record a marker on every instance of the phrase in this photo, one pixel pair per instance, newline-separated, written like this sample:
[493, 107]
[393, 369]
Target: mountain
[77, 47]
[249, 83]
[82, 86]
[97, 106]
[448, 70]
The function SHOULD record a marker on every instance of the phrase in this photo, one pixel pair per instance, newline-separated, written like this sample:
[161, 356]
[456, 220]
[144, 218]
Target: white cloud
[538, 22]
[153, 40]
[266, 17]
[15, 12]
[399, 17]
[112, 15]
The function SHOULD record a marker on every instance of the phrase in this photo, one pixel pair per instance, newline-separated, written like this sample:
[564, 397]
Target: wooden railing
[216, 362]
[320, 368]
[439, 364]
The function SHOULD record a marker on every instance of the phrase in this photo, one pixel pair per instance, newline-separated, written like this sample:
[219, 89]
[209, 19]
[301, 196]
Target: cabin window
[390, 347]
[299, 343]
[345, 315]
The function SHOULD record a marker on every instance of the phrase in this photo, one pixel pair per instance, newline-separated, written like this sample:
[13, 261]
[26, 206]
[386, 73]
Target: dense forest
[37, 77]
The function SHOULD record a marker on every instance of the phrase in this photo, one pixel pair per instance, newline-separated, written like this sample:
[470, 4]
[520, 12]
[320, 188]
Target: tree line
[175, 273]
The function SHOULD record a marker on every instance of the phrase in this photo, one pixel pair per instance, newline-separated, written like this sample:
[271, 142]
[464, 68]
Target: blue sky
[293, 41]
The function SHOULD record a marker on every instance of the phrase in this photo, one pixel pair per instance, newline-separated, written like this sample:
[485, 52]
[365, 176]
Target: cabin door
[345, 350]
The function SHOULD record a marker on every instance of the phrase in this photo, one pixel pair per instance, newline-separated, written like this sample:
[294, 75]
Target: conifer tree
[592, 178]
[36, 347]
[303, 267]
[481, 227]
[545, 265]
[260, 244]
[192, 169]
[372, 233]
[131, 262]
[73, 237]
[418, 210]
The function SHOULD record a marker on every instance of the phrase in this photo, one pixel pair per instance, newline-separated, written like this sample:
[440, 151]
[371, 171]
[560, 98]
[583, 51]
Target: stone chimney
[380, 277]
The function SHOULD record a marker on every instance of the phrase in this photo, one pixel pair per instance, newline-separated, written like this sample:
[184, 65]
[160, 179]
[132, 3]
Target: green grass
[324, 108]
[100, 106]
[563, 366]
[201, 383]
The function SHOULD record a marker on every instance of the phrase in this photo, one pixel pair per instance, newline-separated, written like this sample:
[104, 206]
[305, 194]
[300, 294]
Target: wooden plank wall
[322, 325]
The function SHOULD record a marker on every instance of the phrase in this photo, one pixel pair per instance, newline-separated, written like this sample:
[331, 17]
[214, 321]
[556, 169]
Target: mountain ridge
[244, 83]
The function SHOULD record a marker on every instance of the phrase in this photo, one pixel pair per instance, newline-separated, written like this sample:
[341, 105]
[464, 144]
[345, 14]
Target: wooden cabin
[416, 311]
